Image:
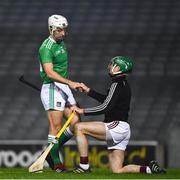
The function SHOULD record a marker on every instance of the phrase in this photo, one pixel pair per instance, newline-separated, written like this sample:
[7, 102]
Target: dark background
[145, 30]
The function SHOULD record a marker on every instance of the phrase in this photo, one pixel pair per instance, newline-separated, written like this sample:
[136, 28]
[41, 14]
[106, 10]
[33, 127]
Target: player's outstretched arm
[48, 68]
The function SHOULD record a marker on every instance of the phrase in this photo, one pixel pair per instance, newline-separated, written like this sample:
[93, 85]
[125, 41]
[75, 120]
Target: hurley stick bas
[37, 166]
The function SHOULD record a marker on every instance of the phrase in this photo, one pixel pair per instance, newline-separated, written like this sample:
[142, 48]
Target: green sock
[55, 150]
[66, 135]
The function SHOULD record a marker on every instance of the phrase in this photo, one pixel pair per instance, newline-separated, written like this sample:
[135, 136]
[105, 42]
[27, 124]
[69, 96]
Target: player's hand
[84, 88]
[74, 85]
[78, 110]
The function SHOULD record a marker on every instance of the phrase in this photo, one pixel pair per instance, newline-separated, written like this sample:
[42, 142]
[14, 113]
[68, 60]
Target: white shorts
[56, 96]
[117, 135]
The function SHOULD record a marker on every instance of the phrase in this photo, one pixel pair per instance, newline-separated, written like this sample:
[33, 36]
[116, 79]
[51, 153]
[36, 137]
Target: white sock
[51, 138]
[68, 132]
[84, 166]
[148, 170]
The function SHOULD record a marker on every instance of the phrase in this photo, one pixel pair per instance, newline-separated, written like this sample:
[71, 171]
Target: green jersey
[53, 52]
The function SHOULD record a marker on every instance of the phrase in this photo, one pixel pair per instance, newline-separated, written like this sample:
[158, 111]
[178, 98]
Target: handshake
[79, 86]
[82, 88]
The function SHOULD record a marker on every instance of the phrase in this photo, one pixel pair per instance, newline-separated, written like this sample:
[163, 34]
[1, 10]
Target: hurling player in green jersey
[56, 95]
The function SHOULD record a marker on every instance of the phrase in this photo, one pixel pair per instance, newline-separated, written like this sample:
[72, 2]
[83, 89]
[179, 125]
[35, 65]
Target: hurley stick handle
[65, 125]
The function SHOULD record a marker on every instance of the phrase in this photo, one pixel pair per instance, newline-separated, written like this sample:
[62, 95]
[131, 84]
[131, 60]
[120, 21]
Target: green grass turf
[22, 173]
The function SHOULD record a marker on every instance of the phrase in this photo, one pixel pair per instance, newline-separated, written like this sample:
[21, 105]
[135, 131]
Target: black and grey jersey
[115, 105]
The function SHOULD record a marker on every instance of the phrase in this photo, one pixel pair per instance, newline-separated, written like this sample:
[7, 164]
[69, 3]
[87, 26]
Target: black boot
[155, 168]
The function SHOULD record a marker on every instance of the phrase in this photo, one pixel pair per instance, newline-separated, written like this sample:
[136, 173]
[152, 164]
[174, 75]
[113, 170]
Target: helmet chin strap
[52, 31]
[114, 73]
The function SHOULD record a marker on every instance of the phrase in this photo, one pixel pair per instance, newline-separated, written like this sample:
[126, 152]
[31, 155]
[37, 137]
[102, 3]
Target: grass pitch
[22, 173]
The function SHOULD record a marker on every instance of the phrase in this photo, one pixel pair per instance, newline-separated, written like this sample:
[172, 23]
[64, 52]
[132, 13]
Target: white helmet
[57, 21]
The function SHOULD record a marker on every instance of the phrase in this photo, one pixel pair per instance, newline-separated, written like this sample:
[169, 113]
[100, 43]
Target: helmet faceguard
[56, 21]
[125, 64]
